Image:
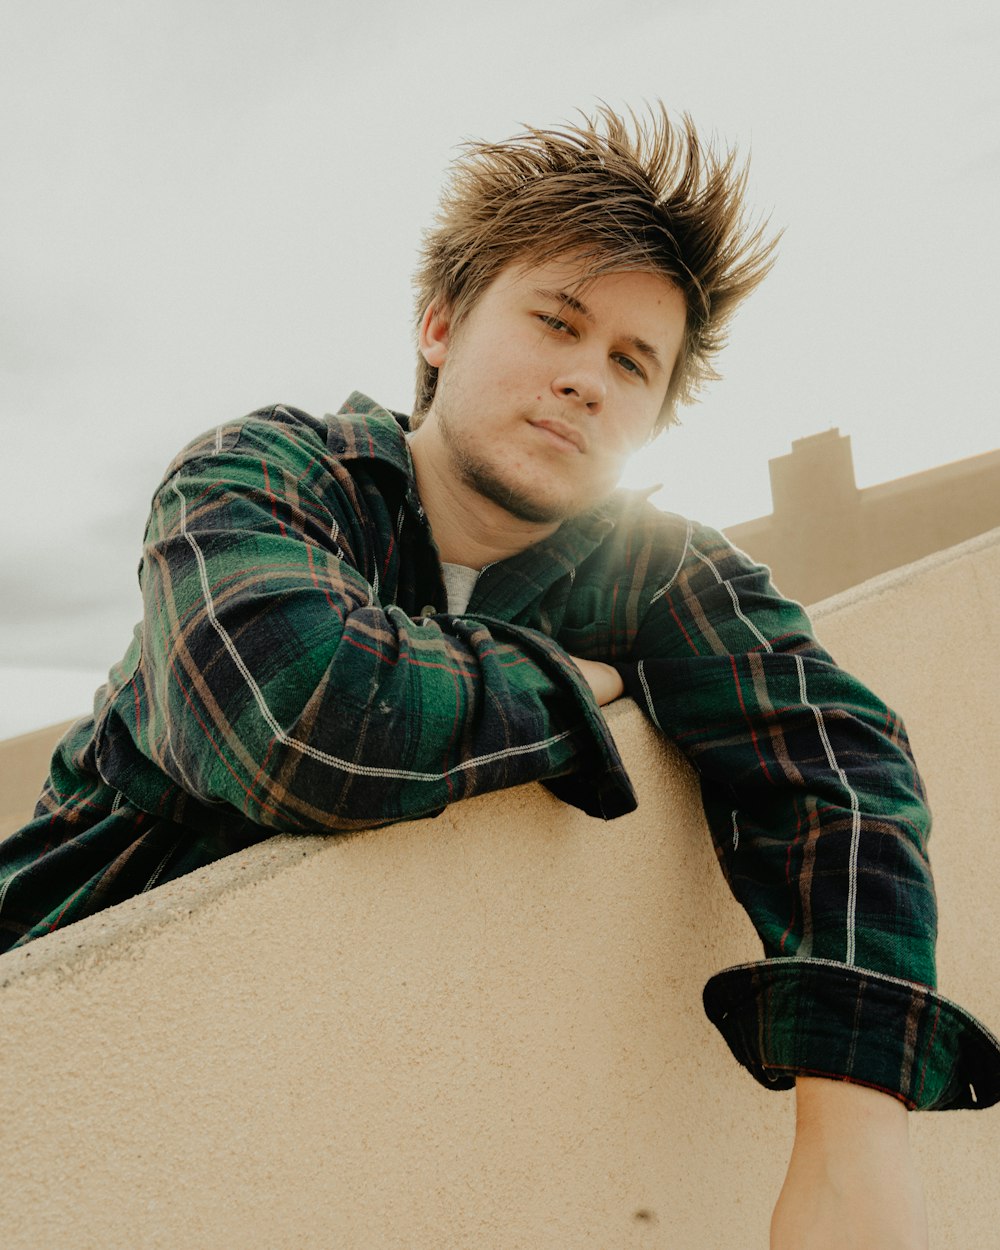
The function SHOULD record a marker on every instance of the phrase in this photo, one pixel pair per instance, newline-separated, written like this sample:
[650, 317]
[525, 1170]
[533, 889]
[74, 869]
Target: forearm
[272, 680]
[382, 720]
[851, 1182]
[813, 800]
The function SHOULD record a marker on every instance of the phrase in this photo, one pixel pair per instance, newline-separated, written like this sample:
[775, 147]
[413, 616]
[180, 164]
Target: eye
[554, 323]
[630, 366]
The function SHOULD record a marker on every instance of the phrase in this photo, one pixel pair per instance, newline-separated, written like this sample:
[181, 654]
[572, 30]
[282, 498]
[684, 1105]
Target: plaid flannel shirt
[296, 671]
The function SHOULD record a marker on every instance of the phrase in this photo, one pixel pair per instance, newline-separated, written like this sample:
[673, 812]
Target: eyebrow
[565, 300]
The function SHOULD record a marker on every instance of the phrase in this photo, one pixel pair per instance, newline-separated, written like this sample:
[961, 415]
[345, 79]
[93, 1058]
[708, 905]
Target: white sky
[212, 206]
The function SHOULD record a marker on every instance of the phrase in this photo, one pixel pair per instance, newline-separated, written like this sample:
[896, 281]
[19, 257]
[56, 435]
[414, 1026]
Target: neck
[467, 527]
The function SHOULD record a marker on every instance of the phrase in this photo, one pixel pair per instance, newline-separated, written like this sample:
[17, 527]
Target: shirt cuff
[814, 1017]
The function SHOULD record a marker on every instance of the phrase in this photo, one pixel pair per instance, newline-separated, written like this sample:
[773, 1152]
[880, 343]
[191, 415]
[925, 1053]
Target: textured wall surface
[485, 1029]
[24, 762]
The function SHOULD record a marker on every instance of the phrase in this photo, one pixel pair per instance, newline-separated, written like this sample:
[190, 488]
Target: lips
[562, 431]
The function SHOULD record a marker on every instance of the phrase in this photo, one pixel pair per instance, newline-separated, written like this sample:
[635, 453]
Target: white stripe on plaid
[852, 871]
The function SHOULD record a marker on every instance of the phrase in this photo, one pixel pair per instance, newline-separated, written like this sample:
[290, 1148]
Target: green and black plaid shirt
[296, 671]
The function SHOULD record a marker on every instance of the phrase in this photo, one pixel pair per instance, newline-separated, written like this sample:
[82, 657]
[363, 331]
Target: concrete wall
[825, 535]
[24, 763]
[482, 1030]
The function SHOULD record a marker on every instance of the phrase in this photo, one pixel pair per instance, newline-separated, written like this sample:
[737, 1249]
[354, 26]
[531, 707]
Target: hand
[604, 681]
[851, 1182]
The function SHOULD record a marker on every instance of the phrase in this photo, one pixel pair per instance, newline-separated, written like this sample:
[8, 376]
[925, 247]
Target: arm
[819, 822]
[274, 683]
[851, 1179]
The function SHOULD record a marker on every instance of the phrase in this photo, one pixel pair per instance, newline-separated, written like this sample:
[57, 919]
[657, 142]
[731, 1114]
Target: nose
[583, 386]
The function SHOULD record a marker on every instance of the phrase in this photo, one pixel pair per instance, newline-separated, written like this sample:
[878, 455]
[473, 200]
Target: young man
[356, 621]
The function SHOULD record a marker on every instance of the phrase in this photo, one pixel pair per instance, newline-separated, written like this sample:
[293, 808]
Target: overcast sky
[212, 206]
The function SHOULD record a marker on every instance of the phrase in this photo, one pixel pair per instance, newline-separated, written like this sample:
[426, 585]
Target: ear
[434, 336]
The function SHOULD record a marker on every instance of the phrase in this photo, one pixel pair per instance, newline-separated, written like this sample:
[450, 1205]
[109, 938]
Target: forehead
[569, 279]
[575, 274]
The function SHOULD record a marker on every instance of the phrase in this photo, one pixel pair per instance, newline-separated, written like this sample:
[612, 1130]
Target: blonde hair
[620, 194]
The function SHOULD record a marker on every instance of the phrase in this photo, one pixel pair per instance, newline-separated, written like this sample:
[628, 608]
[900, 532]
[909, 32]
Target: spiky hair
[618, 193]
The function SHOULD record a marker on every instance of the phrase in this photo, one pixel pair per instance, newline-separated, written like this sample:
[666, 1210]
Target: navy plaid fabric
[296, 671]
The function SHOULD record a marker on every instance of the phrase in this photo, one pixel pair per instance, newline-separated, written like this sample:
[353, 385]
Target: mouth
[561, 434]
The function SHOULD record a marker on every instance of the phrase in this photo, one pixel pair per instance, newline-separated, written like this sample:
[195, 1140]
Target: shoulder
[661, 543]
[666, 552]
[277, 429]
[292, 441]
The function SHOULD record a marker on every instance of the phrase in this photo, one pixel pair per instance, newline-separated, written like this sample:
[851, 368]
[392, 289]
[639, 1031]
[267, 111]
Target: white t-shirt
[459, 582]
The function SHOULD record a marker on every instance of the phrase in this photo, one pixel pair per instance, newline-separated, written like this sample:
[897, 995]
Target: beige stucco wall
[483, 1030]
[24, 762]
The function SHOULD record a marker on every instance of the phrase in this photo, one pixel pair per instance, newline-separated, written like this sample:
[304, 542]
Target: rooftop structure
[825, 534]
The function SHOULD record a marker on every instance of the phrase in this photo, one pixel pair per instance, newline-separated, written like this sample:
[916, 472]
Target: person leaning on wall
[358, 620]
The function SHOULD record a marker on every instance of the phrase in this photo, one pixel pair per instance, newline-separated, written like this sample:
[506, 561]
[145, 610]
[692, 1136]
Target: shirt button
[428, 610]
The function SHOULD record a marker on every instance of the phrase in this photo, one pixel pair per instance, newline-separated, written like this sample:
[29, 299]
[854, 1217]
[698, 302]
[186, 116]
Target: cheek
[630, 438]
[640, 431]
